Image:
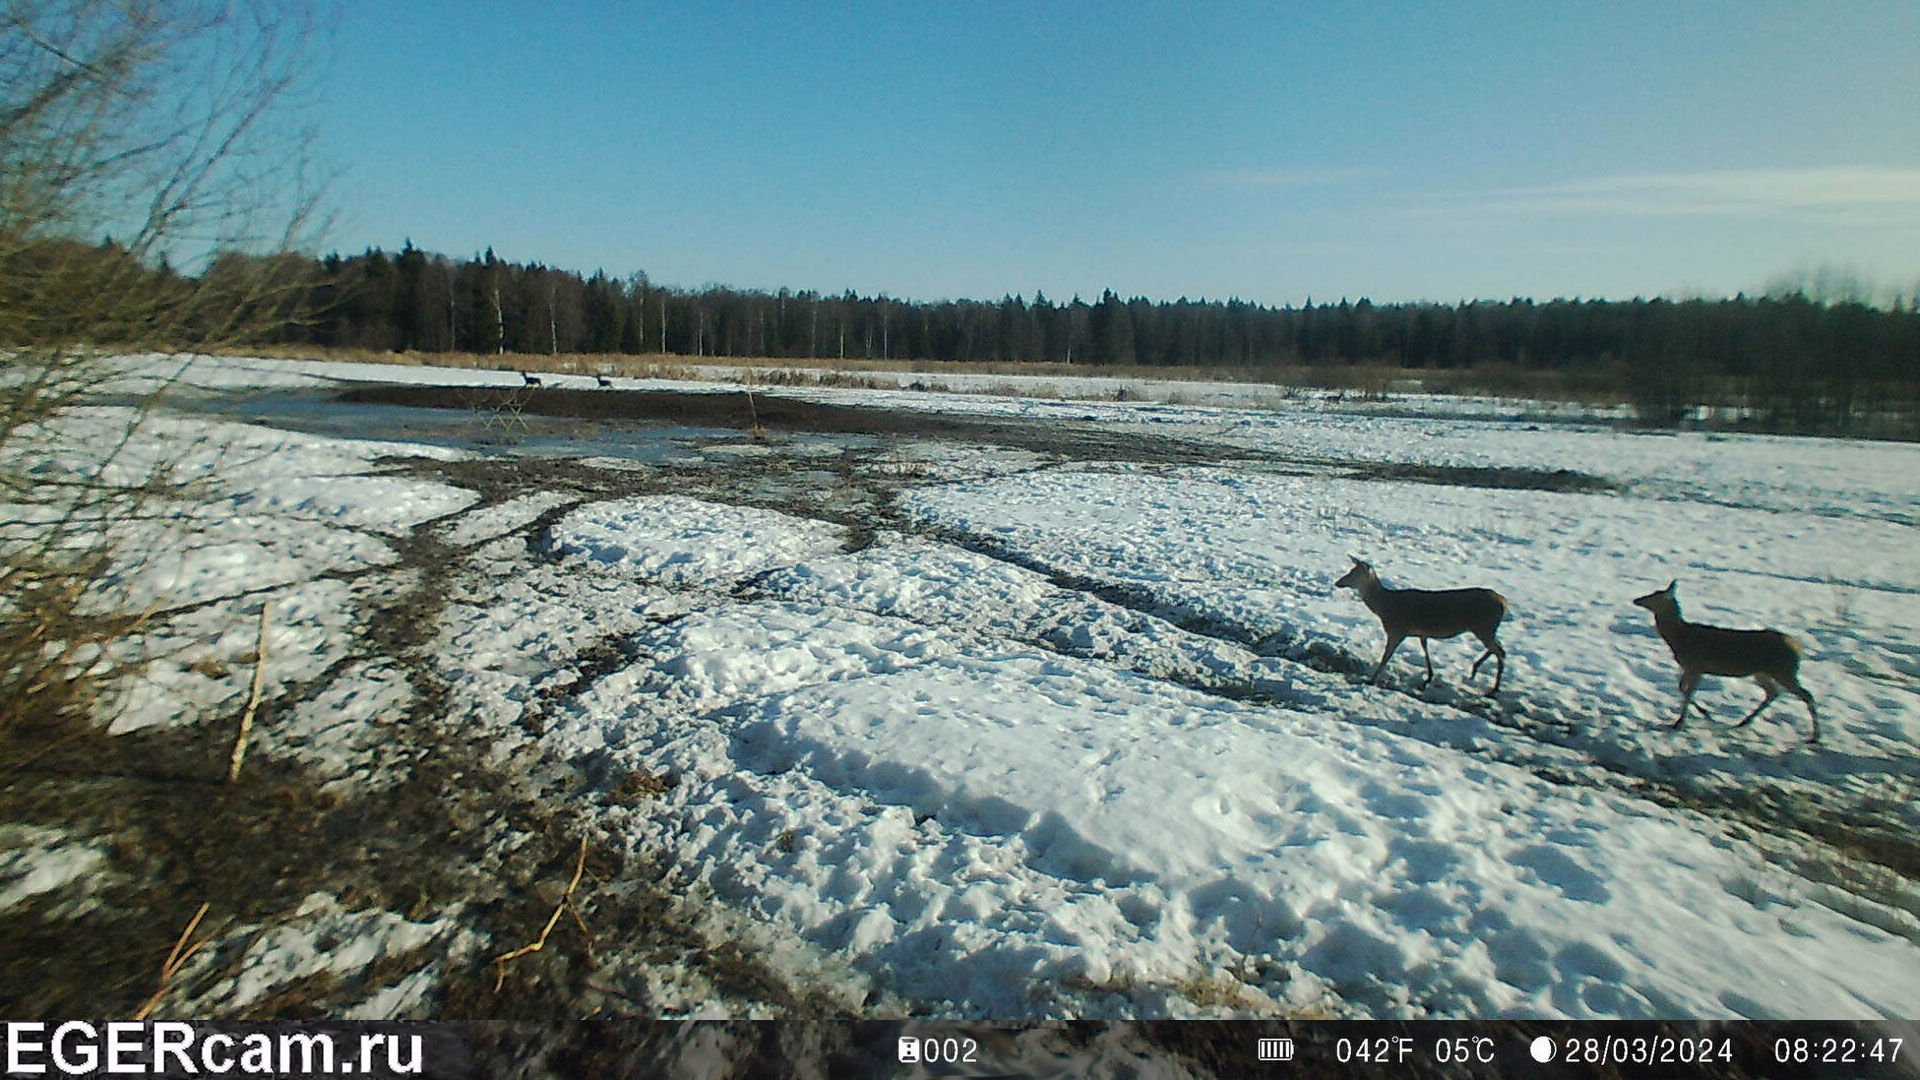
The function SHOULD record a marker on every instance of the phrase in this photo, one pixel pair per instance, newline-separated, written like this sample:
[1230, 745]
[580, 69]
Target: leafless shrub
[152, 189]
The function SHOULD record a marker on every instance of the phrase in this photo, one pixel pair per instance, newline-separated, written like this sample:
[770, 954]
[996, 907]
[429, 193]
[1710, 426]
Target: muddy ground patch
[1074, 436]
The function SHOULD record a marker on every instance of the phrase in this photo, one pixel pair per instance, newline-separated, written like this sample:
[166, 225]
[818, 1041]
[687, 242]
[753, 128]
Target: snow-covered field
[1005, 733]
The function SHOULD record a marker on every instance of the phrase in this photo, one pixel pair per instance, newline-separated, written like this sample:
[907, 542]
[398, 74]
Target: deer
[603, 382]
[1768, 657]
[1425, 613]
[531, 380]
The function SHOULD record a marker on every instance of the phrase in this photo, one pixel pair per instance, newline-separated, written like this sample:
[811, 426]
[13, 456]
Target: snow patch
[682, 543]
[35, 861]
[322, 938]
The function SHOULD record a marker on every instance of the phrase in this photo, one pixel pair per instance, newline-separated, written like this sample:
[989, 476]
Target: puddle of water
[525, 436]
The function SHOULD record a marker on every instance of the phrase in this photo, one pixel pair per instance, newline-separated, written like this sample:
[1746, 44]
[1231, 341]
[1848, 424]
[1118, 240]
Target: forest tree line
[1805, 354]
[414, 301]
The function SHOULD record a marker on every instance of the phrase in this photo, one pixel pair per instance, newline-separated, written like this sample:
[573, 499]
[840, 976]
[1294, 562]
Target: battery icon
[1274, 1050]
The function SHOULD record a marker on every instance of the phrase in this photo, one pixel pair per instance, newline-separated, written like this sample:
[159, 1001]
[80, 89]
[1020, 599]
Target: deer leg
[1429, 659]
[1793, 687]
[1697, 707]
[1688, 683]
[1499, 661]
[1772, 690]
[1393, 642]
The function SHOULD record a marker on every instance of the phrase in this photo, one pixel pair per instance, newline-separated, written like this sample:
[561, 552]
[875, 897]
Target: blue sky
[1267, 151]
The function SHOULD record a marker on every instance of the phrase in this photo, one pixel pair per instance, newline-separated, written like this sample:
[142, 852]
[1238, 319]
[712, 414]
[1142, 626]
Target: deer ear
[1357, 561]
[1671, 584]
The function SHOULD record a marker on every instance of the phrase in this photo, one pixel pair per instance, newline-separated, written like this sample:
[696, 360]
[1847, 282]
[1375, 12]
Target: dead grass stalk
[253, 698]
[175, 960]
[565, 905]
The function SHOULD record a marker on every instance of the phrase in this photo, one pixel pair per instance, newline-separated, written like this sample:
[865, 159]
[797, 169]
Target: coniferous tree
[1111, 326]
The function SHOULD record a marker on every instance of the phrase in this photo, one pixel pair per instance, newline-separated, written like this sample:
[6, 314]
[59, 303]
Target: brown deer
[1425, 613]
[1768, 657]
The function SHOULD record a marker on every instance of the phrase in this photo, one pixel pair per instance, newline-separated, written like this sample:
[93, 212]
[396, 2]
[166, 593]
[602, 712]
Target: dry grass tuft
[1205, 990]
[641, 784]
[56, 662]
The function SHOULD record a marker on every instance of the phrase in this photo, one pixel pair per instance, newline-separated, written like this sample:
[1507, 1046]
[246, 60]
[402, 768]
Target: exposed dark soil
[1075, 440]
[1486, 476]
[456, 834]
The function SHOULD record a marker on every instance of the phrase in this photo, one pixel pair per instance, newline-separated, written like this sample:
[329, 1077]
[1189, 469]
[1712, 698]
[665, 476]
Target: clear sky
[1269, 151]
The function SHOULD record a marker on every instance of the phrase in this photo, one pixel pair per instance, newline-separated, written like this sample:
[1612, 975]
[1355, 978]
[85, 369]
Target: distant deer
[605, 383]
[1424, 614]
[1768, 657]
[531, 380]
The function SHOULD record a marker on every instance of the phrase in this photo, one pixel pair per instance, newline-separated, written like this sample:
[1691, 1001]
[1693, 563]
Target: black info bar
[911, 1049]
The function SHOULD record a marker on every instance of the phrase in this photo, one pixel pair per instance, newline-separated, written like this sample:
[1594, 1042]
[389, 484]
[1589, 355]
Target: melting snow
[940, 761]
